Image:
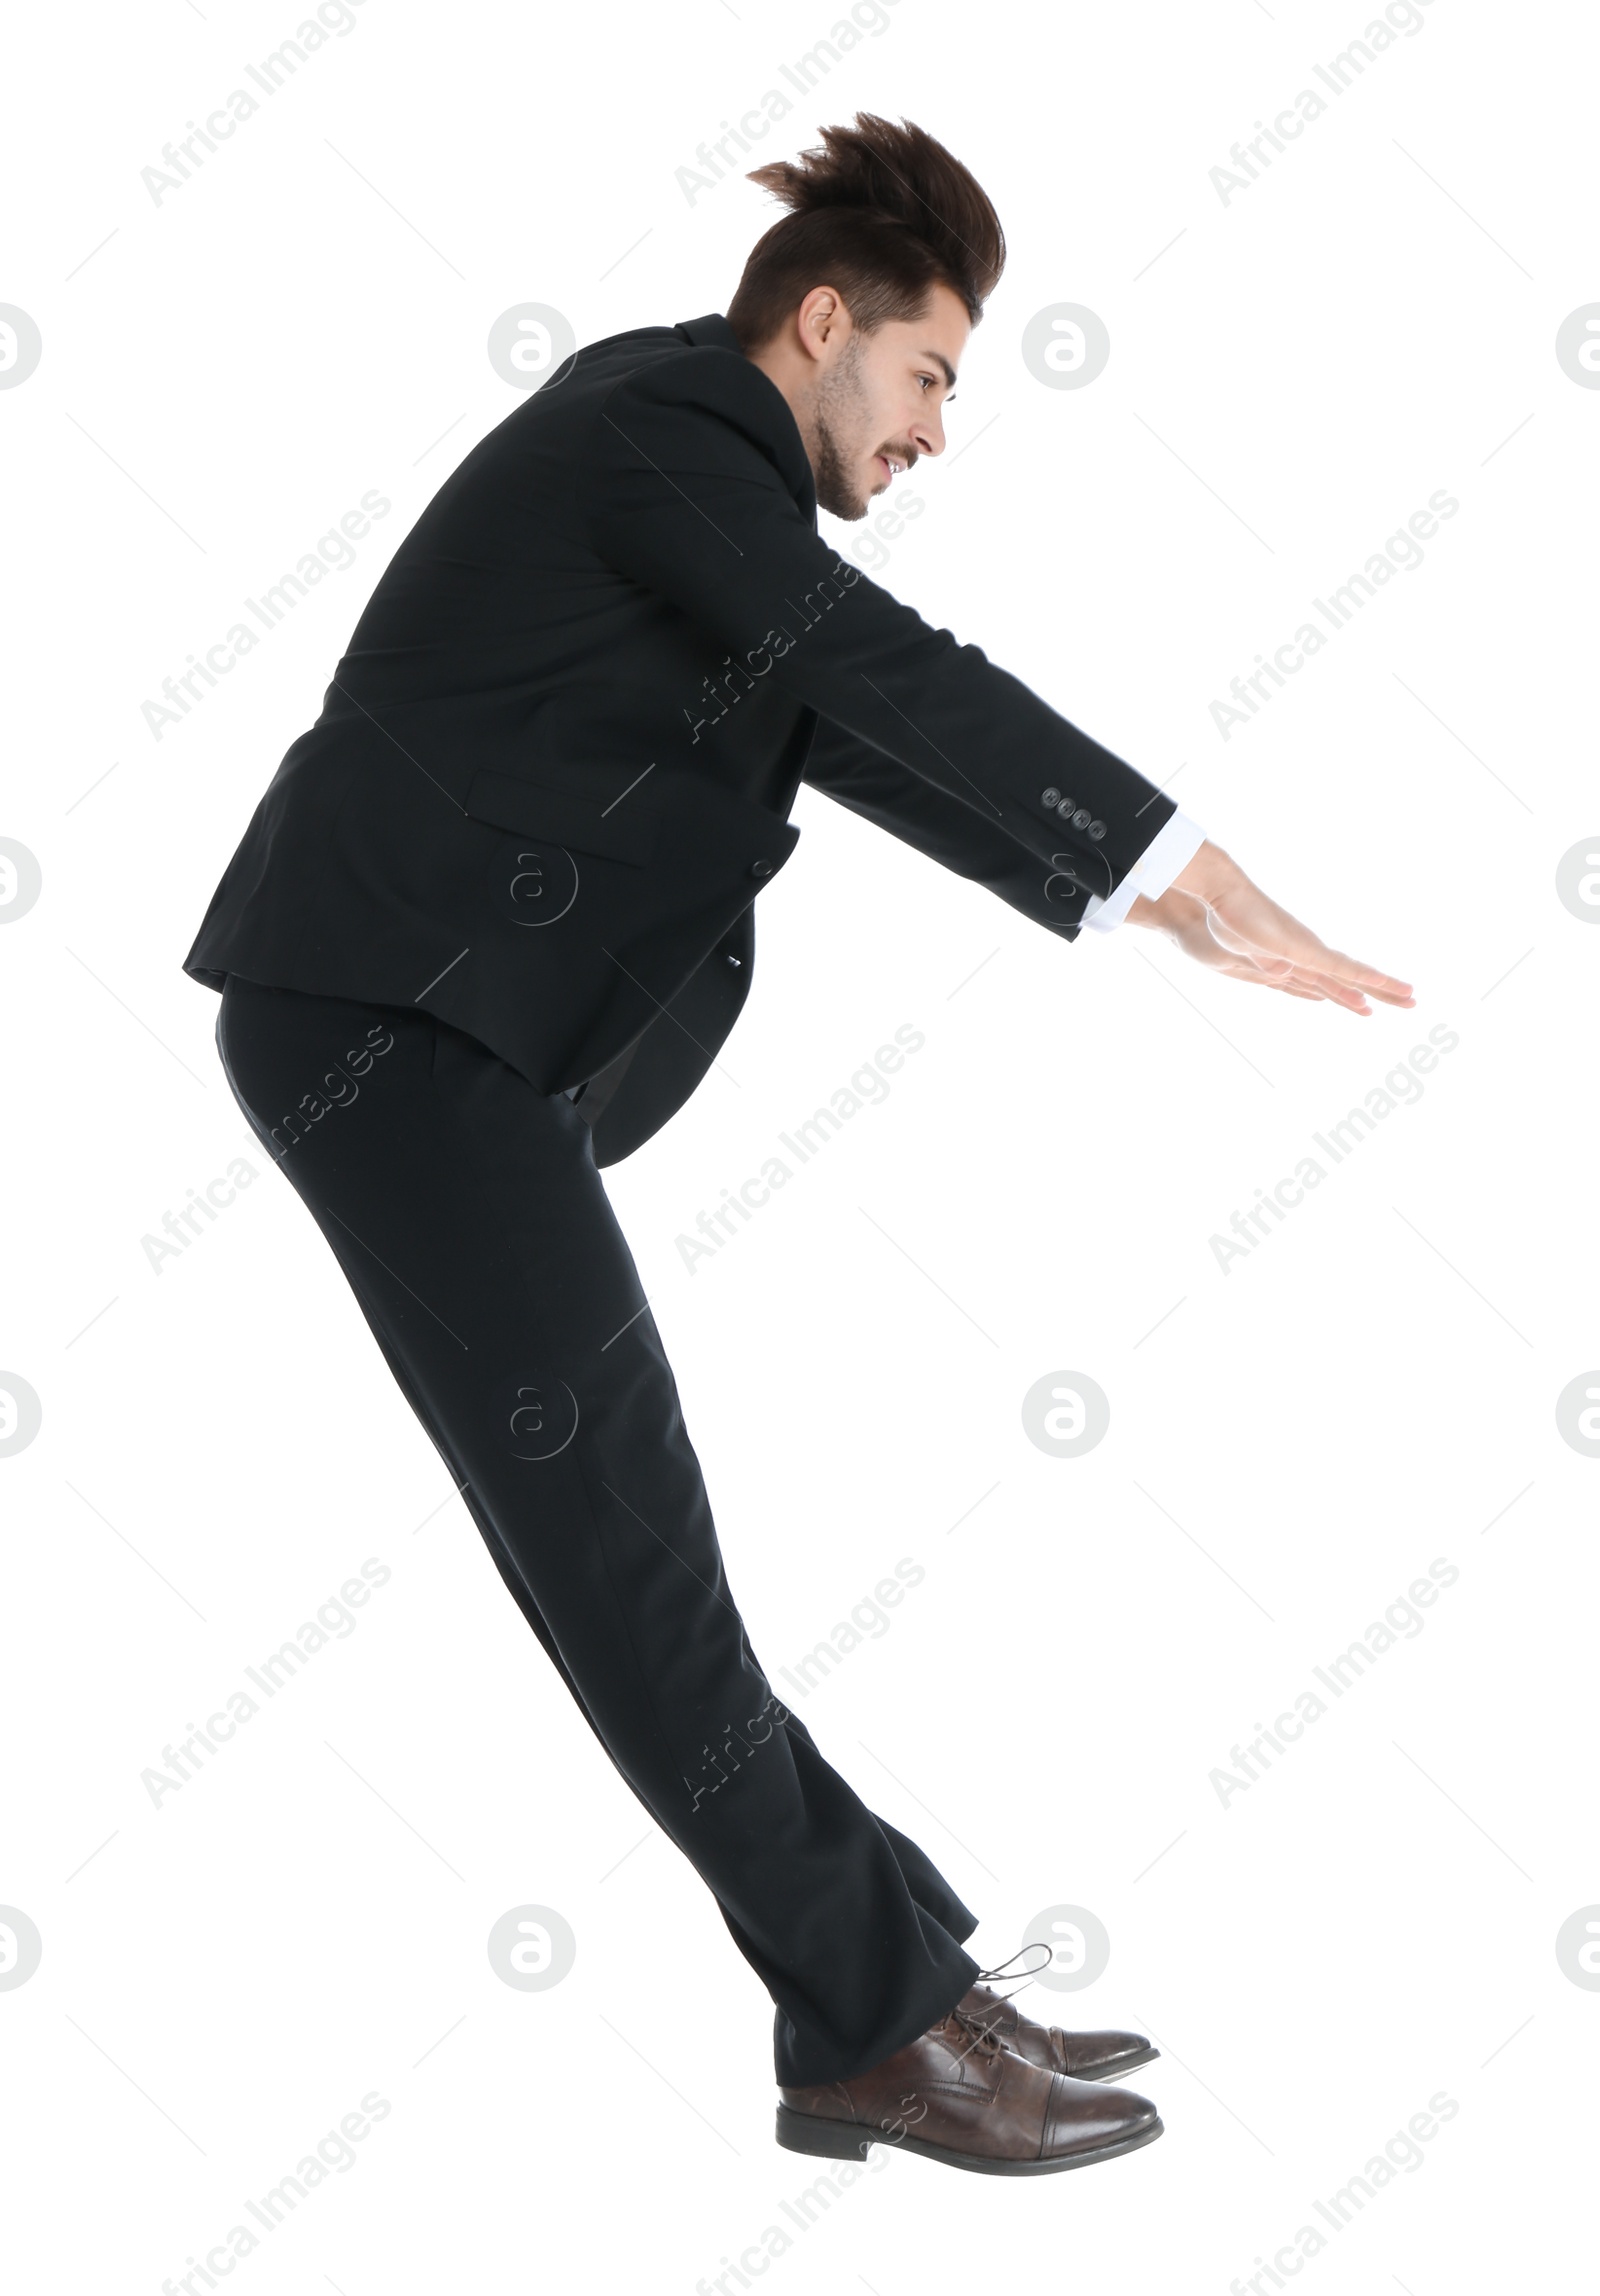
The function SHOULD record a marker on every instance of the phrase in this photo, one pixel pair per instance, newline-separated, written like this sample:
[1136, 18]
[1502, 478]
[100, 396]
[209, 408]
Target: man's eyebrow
[940, 360]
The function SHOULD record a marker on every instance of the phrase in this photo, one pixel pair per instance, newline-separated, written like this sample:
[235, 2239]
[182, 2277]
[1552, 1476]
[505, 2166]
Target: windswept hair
[882, 213]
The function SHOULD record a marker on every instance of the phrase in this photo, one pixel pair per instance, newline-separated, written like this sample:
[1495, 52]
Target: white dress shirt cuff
[1165, 857]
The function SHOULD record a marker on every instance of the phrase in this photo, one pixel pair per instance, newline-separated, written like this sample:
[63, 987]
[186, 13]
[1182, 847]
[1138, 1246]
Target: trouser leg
[467, 1214]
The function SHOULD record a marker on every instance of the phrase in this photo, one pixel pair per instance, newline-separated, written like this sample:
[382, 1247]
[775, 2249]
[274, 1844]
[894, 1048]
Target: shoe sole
[849, 2140]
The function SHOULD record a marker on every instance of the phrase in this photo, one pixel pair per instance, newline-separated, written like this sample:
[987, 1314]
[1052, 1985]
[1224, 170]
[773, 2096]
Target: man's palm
[1217, 916]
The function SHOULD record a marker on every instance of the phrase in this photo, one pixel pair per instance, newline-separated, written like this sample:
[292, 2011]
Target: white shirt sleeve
[1168, 853]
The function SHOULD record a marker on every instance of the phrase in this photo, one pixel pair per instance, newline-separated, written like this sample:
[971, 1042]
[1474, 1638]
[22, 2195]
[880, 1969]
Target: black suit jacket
[555, 765]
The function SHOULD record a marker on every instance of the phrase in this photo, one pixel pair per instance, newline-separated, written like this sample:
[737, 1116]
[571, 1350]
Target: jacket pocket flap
[621, 831]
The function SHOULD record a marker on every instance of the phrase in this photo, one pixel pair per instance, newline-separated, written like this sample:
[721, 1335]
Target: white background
[1291, 1442]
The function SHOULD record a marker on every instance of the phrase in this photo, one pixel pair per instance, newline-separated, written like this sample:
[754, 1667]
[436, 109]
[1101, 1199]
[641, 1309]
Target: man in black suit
[485, 933]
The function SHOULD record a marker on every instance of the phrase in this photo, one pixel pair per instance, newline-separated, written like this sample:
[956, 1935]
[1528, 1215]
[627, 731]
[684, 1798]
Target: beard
[839, 416]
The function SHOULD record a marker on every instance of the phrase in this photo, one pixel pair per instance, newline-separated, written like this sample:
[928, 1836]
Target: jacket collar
[713, 331]
[713, 328]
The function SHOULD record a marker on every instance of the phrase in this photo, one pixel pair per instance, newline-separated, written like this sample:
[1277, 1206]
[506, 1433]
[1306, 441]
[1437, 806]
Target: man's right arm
[678, 491]
[878, 788]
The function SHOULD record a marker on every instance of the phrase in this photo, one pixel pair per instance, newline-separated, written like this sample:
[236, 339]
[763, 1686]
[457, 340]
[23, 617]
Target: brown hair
[883, 213]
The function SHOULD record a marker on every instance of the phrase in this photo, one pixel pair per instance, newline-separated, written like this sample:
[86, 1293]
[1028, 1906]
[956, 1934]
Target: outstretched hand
[1217, 916]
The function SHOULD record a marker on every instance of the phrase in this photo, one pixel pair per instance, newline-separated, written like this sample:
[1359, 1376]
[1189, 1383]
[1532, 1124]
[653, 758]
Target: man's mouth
[890, 465]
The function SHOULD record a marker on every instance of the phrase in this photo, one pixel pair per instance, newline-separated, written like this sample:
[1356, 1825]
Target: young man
[506, 882]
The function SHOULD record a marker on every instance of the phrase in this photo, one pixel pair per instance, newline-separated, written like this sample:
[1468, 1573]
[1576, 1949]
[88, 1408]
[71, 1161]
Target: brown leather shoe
[958, 2095]
[1101, 2056]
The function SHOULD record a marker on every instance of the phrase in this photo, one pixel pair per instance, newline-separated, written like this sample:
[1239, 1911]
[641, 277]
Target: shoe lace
[976, 2036]
[1026, 1976]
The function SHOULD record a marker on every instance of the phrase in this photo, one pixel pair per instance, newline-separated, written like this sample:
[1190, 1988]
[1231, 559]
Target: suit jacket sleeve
[683, 490]
[947, 829]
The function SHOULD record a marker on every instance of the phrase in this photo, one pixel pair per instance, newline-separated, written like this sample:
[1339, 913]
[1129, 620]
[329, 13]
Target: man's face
[869, 405]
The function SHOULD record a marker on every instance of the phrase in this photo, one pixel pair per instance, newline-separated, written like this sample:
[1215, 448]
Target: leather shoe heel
[830, 2140]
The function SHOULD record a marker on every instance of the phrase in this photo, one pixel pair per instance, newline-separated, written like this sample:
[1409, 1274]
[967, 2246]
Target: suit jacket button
[761, 868]
[1080, 820]
[1050, 797]
[1097, 829]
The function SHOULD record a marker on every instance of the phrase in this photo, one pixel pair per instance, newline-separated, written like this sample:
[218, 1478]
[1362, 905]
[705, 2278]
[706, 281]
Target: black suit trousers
[466, 1211]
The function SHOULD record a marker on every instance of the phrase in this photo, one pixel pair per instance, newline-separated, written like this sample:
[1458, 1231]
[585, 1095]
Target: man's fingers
[1384, 986]
[1341, 993]
[1251, 965]
[1256, 927]
[1290, 988]
[1290, 980]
